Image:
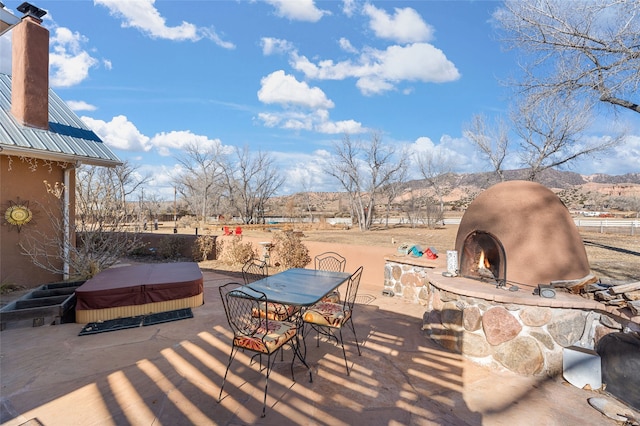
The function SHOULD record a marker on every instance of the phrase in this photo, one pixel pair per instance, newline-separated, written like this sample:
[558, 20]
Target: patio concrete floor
[170, 374]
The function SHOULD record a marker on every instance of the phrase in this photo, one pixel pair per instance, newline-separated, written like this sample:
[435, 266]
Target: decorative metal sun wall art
[18, 213]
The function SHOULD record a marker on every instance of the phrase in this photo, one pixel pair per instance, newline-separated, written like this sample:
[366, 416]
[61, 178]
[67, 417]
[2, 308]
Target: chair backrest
[330, 261]
[254, 270]
[238, 230]
[240, 304]
[352, 289]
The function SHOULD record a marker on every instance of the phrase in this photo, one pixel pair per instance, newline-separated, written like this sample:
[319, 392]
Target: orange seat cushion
[267, 340]
[327, 314]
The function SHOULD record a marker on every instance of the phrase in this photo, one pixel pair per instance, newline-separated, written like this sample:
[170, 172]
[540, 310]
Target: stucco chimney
[30, 69]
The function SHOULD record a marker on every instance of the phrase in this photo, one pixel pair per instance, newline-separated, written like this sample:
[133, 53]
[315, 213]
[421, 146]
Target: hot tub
[134, 290]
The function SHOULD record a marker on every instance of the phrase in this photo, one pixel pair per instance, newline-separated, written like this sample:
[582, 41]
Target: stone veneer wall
[521, 337]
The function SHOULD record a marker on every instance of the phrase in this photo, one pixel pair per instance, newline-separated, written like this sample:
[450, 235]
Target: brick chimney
[30, 69]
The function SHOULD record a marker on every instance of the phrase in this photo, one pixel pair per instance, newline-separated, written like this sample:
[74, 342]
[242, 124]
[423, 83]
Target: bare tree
[100, 226]
[393, 189]
[552, 133]
[127, 178]
[202, 173]
[436, 168]
[306, 195]
[493, 142]
[363, 169]
[249, 181]
[585, 48]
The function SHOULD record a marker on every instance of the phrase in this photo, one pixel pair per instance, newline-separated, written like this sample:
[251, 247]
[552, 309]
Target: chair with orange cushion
[253, 333]
[255, 269]
[331, 261]
[327, 318]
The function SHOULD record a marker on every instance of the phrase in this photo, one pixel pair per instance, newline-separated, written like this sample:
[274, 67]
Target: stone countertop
[440, 262]
[524, 295]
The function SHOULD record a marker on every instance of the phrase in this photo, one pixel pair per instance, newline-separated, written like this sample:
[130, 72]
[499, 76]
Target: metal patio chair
[331, 261]
[254, 270]
[253, 332]
[328, 317]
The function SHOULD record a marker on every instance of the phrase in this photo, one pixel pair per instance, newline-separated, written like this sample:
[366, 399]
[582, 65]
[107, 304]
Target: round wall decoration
[18, 215]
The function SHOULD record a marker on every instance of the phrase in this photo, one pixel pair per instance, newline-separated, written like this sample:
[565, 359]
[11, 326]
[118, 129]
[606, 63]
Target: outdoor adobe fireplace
[514, 236]
[521, 233]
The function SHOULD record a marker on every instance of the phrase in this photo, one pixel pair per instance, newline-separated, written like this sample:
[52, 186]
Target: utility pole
[175, 217]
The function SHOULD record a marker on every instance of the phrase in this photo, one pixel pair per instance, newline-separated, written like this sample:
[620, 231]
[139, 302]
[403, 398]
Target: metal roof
[68, 138]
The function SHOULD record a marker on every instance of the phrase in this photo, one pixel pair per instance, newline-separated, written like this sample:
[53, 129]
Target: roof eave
[67, 158]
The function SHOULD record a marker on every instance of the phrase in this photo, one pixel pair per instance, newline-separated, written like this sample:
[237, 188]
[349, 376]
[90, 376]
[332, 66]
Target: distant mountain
[618, 179]
[576, 190]
[551, 178]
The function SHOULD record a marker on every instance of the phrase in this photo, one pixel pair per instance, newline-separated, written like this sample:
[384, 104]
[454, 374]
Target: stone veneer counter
[516, 330]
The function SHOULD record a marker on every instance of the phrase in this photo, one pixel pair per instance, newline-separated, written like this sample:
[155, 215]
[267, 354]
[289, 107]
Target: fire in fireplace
[483, 258]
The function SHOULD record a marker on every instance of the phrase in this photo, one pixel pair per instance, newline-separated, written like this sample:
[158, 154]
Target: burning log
[486, 273]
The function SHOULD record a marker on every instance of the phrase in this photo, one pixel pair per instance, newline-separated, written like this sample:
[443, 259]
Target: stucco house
[41, 139]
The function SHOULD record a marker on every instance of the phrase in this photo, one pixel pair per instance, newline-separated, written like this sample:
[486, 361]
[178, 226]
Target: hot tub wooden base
[139, 290]
[97, 315]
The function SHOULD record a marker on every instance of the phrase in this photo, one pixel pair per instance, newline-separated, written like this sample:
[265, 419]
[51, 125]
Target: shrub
[170, 248]
[288, 251]
[234, 251]
[187, 222]
[204, 246]
[8, 287]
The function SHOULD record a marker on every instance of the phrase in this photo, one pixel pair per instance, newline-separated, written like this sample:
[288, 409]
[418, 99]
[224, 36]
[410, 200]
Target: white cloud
[625, 158]
[68, 62]
[306, 108]
[272, 46]
[119, 133]
[304, 171]
[142, 15]
[405, 26]
[341, 127]
[298, 10]
[346, 45]
[378, 71]
[348, 7]
[177, 140]
[423, 144]
[283, 89]
[81, 106]
[317, 121]
[460, 153]
[122, 134]
[161, 179]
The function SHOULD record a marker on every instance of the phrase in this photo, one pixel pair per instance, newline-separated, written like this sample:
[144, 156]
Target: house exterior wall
[22, 182]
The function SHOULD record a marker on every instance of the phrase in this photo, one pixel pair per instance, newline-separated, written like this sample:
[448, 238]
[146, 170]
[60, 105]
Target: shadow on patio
[170, 374]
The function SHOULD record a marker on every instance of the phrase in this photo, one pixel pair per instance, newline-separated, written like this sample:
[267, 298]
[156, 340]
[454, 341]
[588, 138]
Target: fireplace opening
[483, 258]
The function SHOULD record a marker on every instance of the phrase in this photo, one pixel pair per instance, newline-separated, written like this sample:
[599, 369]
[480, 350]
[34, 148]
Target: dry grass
[613, 257]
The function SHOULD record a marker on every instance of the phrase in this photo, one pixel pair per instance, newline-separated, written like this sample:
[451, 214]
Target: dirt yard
[614, 258]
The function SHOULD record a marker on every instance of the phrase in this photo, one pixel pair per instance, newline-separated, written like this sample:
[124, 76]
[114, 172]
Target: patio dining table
[301, 288]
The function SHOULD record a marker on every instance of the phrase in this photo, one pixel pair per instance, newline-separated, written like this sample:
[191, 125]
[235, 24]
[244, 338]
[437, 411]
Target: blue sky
[289, 77]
